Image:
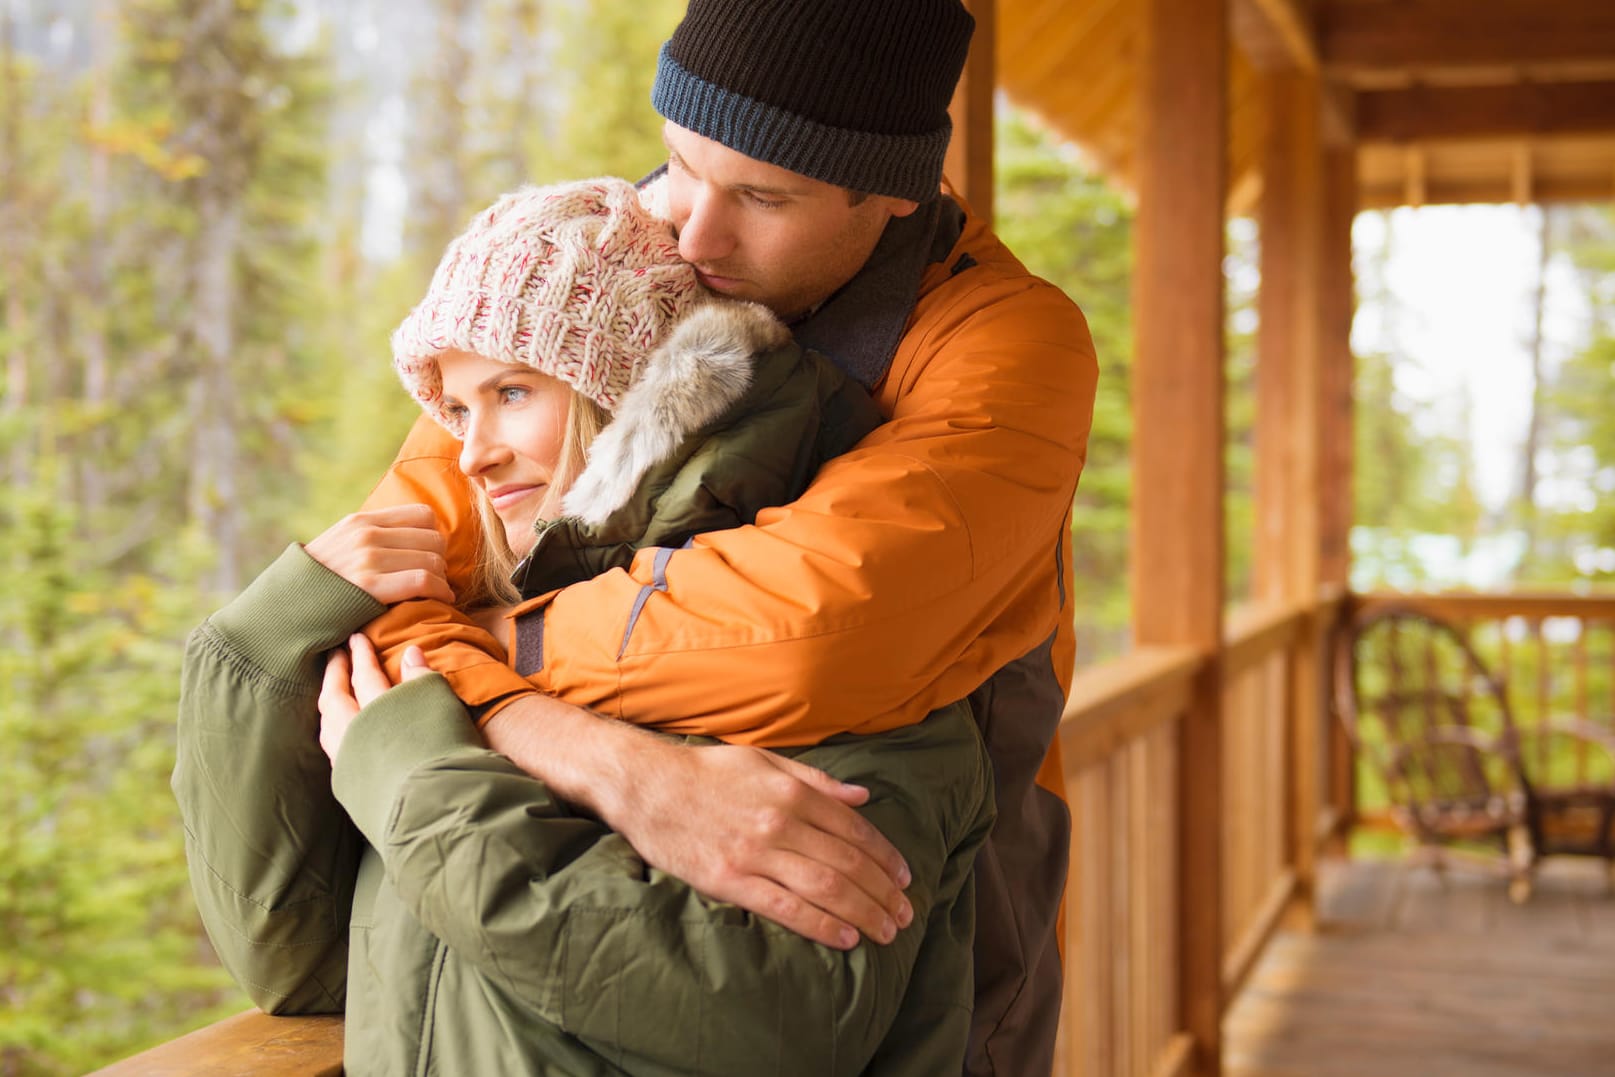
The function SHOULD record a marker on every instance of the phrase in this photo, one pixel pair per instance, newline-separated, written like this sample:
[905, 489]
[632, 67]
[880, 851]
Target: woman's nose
[480, 450]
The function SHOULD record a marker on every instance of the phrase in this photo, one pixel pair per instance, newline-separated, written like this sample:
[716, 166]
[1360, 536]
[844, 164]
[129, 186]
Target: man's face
[756, 231]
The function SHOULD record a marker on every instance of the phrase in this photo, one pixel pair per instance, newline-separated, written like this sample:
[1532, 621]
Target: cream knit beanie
[576, 280]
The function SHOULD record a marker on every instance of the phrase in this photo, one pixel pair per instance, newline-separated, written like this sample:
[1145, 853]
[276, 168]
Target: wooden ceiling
[1446, 100]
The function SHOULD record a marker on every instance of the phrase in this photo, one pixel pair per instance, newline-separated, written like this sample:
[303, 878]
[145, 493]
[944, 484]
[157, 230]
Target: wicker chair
[1421, 706]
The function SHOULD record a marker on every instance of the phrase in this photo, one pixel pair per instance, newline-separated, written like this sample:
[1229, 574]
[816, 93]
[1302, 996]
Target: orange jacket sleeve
[426, 471]
[912, 568]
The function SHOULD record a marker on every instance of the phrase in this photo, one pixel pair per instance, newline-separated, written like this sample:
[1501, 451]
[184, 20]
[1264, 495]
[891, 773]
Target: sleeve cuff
[295, 599]
[407, 727]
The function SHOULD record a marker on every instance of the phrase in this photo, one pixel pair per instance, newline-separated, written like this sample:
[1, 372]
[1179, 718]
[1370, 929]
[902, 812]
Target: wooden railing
[1120, 738]
[1282, 795]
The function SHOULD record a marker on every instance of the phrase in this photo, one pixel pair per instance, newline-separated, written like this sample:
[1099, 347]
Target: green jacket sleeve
[561, 913]
[272, 855]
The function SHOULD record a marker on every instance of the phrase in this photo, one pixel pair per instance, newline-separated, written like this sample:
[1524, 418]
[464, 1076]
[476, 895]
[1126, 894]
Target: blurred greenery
[213, 214]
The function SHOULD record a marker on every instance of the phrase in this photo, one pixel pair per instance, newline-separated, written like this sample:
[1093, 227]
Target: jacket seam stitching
[217, 643]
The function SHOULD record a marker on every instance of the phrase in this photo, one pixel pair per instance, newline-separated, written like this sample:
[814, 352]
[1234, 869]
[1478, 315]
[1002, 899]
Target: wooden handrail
[1123, 699]
[1471, 606]
[1257, 631]
[250, 1044]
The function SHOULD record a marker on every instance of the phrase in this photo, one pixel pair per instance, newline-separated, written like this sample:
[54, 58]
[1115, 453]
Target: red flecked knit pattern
[577, 280]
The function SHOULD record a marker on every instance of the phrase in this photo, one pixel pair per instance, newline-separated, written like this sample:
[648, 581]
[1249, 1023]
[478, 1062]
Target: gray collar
[859, 327]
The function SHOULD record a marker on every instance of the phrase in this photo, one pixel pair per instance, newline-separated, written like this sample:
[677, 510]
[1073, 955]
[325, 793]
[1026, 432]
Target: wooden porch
[1208, 929]
[1408, 975]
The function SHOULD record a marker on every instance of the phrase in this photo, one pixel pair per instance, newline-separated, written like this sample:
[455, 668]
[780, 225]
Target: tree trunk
[215, 490]
[439, 189]
[12, 243]
[1529, 522]
[90, 318]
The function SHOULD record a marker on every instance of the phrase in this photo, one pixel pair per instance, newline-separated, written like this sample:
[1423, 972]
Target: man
[805, 144]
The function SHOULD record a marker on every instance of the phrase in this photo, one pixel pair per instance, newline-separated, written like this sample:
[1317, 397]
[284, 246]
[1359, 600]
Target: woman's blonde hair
[490, 580]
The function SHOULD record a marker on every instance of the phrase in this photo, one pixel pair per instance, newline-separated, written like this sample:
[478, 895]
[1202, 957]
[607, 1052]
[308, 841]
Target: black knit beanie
[851, 92]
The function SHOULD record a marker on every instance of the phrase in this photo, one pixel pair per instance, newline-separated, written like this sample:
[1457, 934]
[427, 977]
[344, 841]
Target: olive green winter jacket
[467, 922]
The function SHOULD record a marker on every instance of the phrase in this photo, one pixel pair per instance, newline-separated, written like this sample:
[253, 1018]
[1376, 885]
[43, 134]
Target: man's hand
[354, 678]
[776, 837]
[393, 553]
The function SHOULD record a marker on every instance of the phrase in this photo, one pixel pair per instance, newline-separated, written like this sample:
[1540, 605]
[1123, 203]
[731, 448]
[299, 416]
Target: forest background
[212, 212]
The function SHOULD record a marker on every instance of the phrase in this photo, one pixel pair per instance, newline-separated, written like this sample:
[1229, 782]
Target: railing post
[969, 163]
[1178, 435]
[1336, 305]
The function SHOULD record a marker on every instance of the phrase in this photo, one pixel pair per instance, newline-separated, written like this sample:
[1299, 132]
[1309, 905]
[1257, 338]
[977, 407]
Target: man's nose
[706, 235]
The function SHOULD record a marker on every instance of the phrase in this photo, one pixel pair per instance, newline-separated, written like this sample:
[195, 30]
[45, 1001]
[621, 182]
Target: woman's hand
[392, 554]
[354, 678]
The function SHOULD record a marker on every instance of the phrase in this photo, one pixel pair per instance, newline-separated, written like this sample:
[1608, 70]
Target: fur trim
[692, 378]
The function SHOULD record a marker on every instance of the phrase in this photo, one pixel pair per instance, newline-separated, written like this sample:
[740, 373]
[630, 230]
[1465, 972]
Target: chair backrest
[1421, 707]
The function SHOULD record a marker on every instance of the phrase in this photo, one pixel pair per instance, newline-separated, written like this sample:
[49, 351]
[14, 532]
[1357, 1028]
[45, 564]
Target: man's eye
[765, 203]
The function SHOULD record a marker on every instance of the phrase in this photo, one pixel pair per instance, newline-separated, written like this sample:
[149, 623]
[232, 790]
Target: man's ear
[900, 207]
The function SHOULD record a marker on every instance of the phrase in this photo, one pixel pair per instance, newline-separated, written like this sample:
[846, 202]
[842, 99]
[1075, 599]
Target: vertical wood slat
[969, 161]
[1178, 430]
[1088, 949]
[1141, 941]
[1579, 670]
[1120, 935]
[1164, 1020]
[1505, 661]
[1544, 692]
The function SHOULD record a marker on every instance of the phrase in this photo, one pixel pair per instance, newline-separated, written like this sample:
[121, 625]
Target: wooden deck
[1410, 977]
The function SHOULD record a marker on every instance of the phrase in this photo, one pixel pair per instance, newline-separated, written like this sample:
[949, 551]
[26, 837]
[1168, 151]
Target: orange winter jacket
[930, 563]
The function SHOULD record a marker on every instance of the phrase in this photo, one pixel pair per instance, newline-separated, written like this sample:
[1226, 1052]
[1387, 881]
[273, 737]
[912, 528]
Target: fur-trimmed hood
[692, 378]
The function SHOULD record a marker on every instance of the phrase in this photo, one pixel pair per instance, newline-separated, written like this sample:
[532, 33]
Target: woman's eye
[513, 394]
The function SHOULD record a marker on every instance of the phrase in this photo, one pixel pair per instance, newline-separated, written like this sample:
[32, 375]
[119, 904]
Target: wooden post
[969, 163]
[1178, 424]
[1288, 380]
[1336, 305]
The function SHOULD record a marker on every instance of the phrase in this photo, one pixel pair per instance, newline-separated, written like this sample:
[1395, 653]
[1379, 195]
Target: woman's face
[514, 420]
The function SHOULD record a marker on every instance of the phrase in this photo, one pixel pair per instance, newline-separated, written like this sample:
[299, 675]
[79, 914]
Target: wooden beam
[1546, 189]
[1288, 344]
[1276, 35]
[1467, 112]
[1178, 438]
[1414, 186]
[969, 161]
[1521, 177]
[1337, 305]
[1435, 35]
[1339, 114]
[1288, 379]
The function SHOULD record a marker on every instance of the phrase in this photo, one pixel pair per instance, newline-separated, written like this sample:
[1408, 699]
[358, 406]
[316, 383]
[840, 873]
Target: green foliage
[1242, 273]
[102, 953]
[1577, 512]
[1414, 499]
[606, 60]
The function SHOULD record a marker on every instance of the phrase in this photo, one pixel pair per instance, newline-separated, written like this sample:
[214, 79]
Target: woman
[466, 920]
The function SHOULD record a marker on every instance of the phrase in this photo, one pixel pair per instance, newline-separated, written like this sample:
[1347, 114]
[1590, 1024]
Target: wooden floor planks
[1416, 974]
